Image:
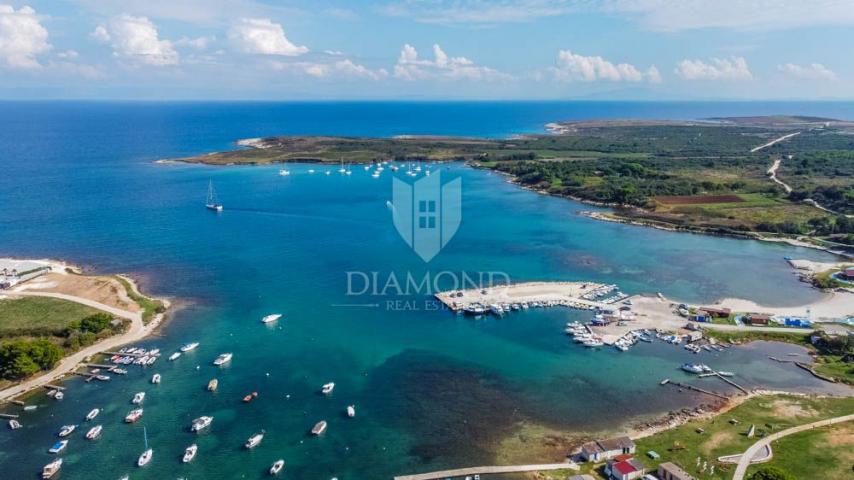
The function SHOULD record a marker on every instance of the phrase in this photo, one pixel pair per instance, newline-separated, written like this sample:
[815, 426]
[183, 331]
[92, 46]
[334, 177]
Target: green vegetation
[825, 453]
[720, 437]
[39, 316]
[797, 336]
[22, 358]
[150, 306]
[771, 473]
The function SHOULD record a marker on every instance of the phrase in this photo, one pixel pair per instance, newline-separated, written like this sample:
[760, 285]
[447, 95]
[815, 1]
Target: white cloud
[200, 12]
[68, 54]
[262, 36]
[477, 11]
[136, 39]
[813, 71]
[733, 68]
[334, 53]
[345, 68]
[575, 67]
[410, 67]
[199, 43]
[22, 37]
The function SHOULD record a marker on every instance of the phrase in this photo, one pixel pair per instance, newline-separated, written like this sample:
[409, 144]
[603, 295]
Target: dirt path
[772, 174]
[772, 142]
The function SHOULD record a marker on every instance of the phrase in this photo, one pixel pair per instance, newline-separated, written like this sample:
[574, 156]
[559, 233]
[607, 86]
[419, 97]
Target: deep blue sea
[78, 181]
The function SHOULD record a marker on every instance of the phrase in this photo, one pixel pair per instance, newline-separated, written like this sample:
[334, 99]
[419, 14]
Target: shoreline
[138, 329]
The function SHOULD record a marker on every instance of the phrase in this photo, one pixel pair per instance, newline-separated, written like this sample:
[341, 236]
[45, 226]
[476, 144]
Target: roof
[759, 316]
[618, 443]
[723, 311]
[675, 471]
[848, 272]
[591, 447]
[622, 457]
[623, 468]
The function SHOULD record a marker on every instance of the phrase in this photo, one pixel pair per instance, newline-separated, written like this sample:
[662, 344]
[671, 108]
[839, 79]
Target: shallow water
[432, 389]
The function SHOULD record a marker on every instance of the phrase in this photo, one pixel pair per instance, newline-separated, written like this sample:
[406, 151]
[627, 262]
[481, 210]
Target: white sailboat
[147, 454]
[212, 203]
[342, 169]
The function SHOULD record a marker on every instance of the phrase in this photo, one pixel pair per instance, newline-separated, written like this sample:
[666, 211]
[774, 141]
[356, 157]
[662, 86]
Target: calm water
[432, 390]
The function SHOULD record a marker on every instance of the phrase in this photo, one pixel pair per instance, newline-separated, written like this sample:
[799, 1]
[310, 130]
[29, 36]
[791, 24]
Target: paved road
[741, 469]
[137, 331]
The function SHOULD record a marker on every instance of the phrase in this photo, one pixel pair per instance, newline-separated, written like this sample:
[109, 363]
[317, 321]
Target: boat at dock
[201, 423]
[58, 446]
[319, 428]
[254, 440]
[223, 359]
[190, 453]
[271, 318]
[51, 468]
[327, 388]
[133, 415]
[94, 432]
[277, 467]
[138, 398]
[694, 367]
[189, 346]
[212, 203]
[59, 395]
[351, 411]
[212, 385]
[67, 430]
[155, 379]
[174, 356]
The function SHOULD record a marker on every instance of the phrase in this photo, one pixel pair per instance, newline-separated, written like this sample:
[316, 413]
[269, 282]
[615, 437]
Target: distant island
[785, 178]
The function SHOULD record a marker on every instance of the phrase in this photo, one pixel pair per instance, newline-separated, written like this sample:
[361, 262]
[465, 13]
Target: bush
[96, 323]
[22, 358]
[771, 473]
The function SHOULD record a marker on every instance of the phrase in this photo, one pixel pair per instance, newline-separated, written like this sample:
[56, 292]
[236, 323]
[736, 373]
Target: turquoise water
[431, 389]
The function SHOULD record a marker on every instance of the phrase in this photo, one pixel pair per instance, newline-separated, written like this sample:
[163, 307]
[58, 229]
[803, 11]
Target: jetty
[717, 374]
[696, 389]
[461, 472]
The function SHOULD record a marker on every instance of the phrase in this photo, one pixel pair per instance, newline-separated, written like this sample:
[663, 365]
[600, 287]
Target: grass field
[39, 315]
[825, 453]
[149, 306]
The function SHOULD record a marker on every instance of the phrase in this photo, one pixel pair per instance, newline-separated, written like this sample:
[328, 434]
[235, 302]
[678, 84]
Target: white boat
[155, 379]
[189, 346]
[138, 398]
[222, 359]
[66, 430]
[277, 467]
[376, 174]
[271, 318]
[14, 424]
[284, 172]
[319, 428]
[190, 453]
[147, 454]
[342, 169]
[351, 411]
[254, 440]
[58, 446]
[94, 432]
[59, 395]
[30, 408]
[201, 423]
[174, 356]
[327, 388]
[726, 374]
[211, 203]
[133, 415]
[212, 385]
[692, 368]
[51, 468]
[311, 170]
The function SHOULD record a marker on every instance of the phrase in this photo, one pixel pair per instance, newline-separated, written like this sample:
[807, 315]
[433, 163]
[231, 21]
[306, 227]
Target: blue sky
[427, 49]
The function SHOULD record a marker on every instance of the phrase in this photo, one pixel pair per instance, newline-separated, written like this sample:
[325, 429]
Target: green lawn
[149, 306]
[39, 316]
[825, 453]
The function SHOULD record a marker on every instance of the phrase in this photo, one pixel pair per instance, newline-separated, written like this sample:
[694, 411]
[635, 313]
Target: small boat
[51, 468]
[212, 203]
[277, 467]
[59, 395]
[14, 424]
[138, 398]
[189, 346]
[120, 371]
[201, 423]
[190, 453]
[311, 170]
[155, 379]
[250, 397]
[319, 428]
[284, 172]
[94, 432]
[30, 408]
[726, 374]
[271, 318]
[254, 440]
[222, 359]
[351, 411]
[133, 416]
[147, 454]
[692, 368]
[58, 446]
[664, 382]
[327, 388]
[66, 430]
[212, 385]
[174, 356]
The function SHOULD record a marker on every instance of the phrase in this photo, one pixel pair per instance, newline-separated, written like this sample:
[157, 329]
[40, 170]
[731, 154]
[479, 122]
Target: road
[741, 469]
[460, 472]
[137, 331]
[772, 142]
[772, 174]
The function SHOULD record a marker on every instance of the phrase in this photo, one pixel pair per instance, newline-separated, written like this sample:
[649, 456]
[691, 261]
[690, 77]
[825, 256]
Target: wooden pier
[90, 376]
[54, 387]
[716, 374]
[461, 472]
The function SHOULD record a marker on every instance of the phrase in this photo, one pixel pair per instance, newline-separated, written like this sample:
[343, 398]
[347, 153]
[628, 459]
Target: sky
[427, 49]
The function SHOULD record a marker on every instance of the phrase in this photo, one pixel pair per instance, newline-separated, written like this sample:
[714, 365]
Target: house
[628, 469]
[694, 336]
[757, 319]
[715, 312]
[600, 450]
[847, 274]
[671, 471]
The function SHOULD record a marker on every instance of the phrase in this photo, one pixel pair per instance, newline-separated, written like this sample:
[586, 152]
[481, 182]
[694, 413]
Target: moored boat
[174, 356]
[138, 398]
[94, 432]
[58, 446]
[319, 428]
[277, 467]
[66, 430]
[248, 398]
[201, 423]
[189, 346]
[14, 424]
[133, 416]
[51, 468]
[692, 368]
[155, 379]
[190, 453]
[222, 359]
[212, 385]
[351, 411]
[145, 457]
[327, 388]
[254, 440]
[271, 318]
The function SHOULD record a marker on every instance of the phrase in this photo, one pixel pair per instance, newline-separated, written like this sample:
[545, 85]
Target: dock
[89, 376]
[54, 387]
[545, 293]
[461, 472]
[716, 374]
[696, 389]
[8, 416]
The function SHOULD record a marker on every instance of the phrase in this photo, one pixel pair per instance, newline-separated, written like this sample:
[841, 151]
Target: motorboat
[14, 424]
[155, 379]
[174, 356]
[351, 411]
[190, 453]
[223, 359]
[277, 467]
[212, 385]
[327, 388]
[189, 346]
[319, 428]
[138, 398]
[692, 368]
[66, 430]
[94, 432]
[58, 446]
[248, 398]
[133, 415]
[51, 468]
[201, 423]
[59, 395]
[271, 318]
[254, 440]
[284, 172]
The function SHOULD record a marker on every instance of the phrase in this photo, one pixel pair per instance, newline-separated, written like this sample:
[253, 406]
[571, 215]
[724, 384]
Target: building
[600, 450]
[715, 312]
[671, 471]
[847, 274]
[627, 469]
[757, 319]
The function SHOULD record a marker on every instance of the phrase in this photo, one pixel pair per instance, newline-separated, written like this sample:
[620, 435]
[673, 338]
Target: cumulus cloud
[574, 67]
[813, 71]
[733, 68]
[345, 68]
[22, 37]
[262, 36]
[411, 67]
[136, 39]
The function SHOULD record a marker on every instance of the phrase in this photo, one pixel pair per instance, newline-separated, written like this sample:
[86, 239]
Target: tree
[771, 473]
[96, 322]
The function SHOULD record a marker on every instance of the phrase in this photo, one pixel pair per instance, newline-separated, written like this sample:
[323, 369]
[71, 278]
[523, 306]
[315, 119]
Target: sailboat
[211, 203]
[342, 169]
[147, 454]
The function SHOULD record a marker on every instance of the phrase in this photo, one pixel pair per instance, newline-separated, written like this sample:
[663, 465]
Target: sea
[80, 181]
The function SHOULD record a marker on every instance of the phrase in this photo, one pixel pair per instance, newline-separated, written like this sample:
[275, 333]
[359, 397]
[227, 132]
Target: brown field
[698, 199]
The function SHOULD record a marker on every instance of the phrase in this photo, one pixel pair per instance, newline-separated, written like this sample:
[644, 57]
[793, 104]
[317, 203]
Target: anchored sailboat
[212, 203]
